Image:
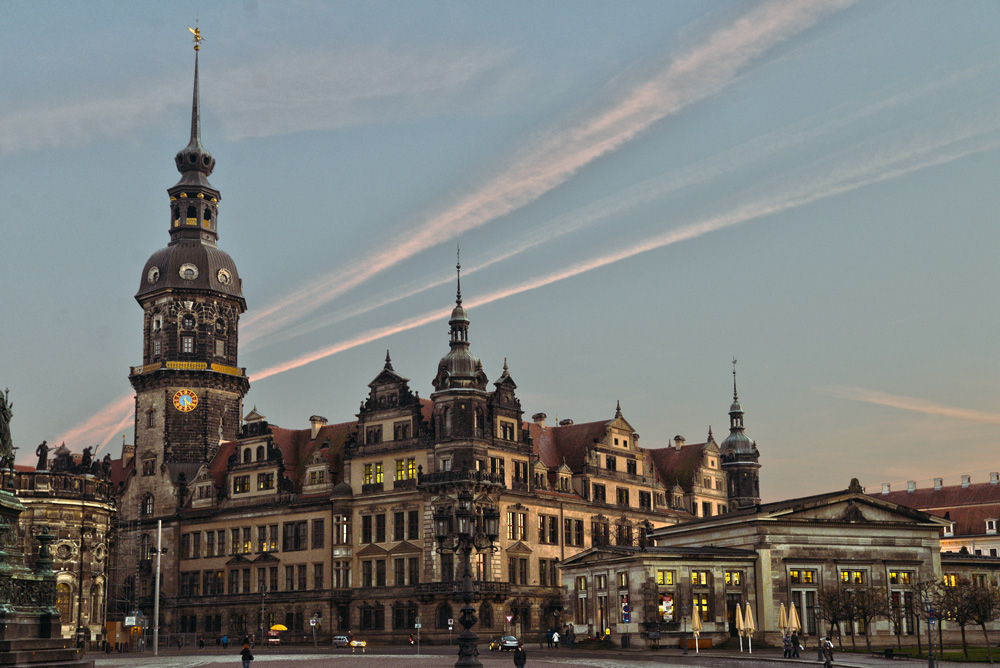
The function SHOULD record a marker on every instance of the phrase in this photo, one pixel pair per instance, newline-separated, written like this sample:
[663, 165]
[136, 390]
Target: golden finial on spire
[198, 39]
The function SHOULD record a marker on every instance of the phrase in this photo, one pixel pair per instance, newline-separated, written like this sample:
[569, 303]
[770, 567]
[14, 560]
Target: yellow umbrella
[695, 625]
[783, 620]
[748, 628]
[739, 624]
[793, 619]
[279, 627]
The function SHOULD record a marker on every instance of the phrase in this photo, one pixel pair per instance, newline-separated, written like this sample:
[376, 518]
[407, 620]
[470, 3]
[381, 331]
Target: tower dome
[459, 368]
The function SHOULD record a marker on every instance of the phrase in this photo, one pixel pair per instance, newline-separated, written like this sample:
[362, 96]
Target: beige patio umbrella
[748, 628]
[739, 624]
[695, 625]
[793, 619]
[783, 620]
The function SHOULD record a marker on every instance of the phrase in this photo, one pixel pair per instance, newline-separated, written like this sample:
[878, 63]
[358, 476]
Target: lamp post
[160, 550]
[263, 636]
[468, 524]
[82, 632]
[930, 632]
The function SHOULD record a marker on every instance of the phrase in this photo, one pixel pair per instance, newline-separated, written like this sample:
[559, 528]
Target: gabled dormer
[540, 476]
[391, 413]
[564, 478]
[204, 493]
[318, 478]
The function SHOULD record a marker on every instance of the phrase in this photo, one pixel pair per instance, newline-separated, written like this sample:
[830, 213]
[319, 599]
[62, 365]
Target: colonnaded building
[333, 522]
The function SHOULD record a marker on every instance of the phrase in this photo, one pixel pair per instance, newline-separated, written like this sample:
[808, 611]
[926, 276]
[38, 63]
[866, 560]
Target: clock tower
[189, 389]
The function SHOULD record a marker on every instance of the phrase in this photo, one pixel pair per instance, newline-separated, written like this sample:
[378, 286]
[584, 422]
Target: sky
[642, 192]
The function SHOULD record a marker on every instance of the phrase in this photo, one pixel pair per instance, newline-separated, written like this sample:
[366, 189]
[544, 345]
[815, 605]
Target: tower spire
[458, 269]
[193, 161]
[735, 397]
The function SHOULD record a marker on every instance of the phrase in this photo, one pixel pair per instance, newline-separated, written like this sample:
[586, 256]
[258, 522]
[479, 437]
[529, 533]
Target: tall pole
[156, 589]
[468, 653]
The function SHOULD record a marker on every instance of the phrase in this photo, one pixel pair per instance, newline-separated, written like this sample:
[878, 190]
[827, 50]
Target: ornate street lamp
[459, 529]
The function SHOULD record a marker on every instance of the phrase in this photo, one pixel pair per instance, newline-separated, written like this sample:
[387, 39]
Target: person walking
[786, 646]
[795, 644]
[570, 636]
[520, 656]
[827, 652]
[246, 655]
[555, 639]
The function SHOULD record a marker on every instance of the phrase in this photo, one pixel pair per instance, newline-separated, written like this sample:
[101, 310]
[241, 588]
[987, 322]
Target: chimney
[539, 419]
[885, 488]
[966, 480]
[317, 422]
[565, 423]
[937, 483]
[994, 478]
[678, 441]
[911, 486]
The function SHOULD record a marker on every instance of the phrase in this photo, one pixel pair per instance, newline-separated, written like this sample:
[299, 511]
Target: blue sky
[641, 190]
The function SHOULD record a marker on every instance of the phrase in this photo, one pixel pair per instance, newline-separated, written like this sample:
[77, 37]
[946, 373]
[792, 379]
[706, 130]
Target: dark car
[503, 644]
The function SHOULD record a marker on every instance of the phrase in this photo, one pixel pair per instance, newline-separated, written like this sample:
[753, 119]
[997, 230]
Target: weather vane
[198, 39]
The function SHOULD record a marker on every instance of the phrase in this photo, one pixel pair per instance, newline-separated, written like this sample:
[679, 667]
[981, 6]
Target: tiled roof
[968, 507]
[297, 446]
[676, 466]
[570, 443]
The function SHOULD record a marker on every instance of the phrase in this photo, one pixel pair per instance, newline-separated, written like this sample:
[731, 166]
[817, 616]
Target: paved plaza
[444, 657]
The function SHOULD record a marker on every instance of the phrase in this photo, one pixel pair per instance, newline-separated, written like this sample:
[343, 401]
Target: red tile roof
[968, 507]
[570, 443]
[676, 467]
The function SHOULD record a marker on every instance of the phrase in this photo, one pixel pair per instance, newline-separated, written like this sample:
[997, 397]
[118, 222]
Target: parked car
[503, 644]
[340, 641]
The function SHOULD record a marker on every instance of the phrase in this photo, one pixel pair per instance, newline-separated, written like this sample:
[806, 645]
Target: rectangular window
[273, 532]
[612, 462]
[295, 536]
[950, 580]
[319, 534]
[664, 577]
[900, 577]
[380, 528]
[522, 565]
[512, 570]
[630, 466]
[447, 567]
[665, 612]
[234, 582]
[241, 483]
[220, 348]
[247, 541]
[273, 575]
[366, 528]
[265, 481]
[796, 576]
[413, 525]
[317, 576]
[341, 530]
[734, 578]
[853, 577]
[262, 539]
[702, 601]
[622, 496]
[699, 578]
[289, 578]
[210, 544]
[400, 469]
[187, 344]
[623, 580]
[600, 494]
[301, 584]
[378, 472]
[341, 574]
[369, 474]
[234, 541]
[186, 546]
[413, 564]
[516, 525]
[398, 525]
[645, 500]
[261, 580]
[399, 571]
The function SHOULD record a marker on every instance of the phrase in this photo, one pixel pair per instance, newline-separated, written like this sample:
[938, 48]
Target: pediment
[266, 556]
[519, 548]
[621, 423]
[405, 547]
[372, 551]
[388, 377]
[854, 508]
[237, 559]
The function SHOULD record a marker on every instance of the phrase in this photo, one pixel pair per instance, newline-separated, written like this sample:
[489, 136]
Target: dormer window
[949, 530]
[991, 526]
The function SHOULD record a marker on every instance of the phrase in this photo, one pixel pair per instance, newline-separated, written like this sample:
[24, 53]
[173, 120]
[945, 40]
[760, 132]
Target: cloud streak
[912, 404]
[872, 165]
[550, 160]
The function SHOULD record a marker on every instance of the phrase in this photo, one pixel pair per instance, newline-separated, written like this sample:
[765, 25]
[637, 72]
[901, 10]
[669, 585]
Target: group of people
[791, 647]
[552, 638]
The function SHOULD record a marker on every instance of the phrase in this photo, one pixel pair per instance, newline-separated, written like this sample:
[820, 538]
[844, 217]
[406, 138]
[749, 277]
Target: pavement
[444, 656]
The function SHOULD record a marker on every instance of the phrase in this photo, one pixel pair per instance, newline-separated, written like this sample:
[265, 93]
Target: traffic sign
[626, 608]
[416, 626]
[451, 622]
[510, 618]
[312, 621]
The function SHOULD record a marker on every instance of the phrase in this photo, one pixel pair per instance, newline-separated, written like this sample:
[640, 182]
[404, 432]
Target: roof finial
[505, 368]
[735, 398]
[710, 437]
[388, 362]
[196, 104]
[618, 409]
[196, 31]
[458, 268]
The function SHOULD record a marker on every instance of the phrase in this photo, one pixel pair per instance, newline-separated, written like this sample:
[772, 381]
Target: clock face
[185, 400]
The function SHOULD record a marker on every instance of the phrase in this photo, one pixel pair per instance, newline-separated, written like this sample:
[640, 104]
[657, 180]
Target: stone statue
[106, 466]
[6, 444]
[43, 456]
[88, 457]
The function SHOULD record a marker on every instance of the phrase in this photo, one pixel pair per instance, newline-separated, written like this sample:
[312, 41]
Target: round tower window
[187, 321]
[188, 272]
[153, 275]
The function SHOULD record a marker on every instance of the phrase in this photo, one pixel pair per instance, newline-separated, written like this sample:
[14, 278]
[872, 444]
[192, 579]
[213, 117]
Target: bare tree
[954, 606]
[869, 604]
[833, 608]
[921, 591]
[982, 604]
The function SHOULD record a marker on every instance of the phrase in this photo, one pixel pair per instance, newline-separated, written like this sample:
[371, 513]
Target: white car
[340, 641]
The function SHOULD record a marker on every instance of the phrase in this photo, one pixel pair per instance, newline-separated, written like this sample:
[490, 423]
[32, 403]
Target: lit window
[664, 577]
[950, 580]
[699, 578]
[241, 483]
[734, 578]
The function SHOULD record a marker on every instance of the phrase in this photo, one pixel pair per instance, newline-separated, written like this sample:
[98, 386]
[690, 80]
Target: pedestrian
[827, 646]
[520, 657]
[555, 639]
[411, 638]
[225, 641]
[253, 640]
[246, 655]
[201, 643]
[570, 636]
[548, 638]
[786, 645]
[179, 643]
[795, 644]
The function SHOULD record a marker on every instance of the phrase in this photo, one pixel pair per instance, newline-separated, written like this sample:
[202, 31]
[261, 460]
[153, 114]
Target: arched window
[260, 453]
[146, 547]
[147, 505]
[177, 214]
[247, 455]
[486, 615]
[192, 215]
[64, 601]
[444, 613]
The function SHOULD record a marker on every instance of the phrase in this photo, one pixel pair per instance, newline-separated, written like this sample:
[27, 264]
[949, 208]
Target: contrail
[910, 404]
[875, 169]
[99, 422]
[551, 160]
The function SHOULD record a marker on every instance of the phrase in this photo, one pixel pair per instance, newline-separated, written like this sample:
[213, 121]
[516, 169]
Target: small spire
[735, 398]
[388, 361]
[505, 369]
[710, 437]
[618, 409]
[458, 268]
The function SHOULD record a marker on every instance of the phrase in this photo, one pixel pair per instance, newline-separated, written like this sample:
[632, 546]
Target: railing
[189, 366]
[489, 588]
[459, 476]
[408, 484]
[62, 484]
[372, 488]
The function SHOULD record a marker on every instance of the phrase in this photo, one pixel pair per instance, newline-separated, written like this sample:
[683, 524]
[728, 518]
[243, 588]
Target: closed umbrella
[748, 628]
[695, 625]
[739, 624]
[783, 620]
[793, 619]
